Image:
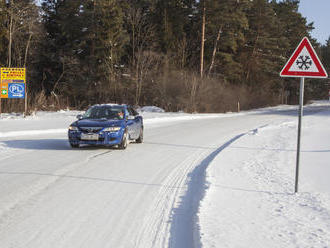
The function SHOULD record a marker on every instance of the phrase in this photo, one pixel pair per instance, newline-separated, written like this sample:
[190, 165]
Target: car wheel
[140, 139]
[124, 142]
[74, 145]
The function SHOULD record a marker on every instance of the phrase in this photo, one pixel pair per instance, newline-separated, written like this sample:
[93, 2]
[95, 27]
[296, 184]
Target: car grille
[91, 129]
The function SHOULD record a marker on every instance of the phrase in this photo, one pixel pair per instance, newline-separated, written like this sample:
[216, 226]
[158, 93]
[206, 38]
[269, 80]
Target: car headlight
[111, 129]
[73, 128]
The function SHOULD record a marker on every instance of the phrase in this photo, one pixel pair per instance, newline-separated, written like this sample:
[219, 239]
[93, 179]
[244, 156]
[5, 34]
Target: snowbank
[152, 109]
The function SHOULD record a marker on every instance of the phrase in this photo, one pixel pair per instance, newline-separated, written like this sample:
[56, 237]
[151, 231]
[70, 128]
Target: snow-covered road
[146, 196]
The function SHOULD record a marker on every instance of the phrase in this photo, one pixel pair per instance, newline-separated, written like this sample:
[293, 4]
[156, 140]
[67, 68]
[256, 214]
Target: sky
[317, 11]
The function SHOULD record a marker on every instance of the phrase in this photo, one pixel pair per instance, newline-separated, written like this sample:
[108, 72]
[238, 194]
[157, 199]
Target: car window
[127, 113]
[135, 113]
[105, 112]
[132, 111]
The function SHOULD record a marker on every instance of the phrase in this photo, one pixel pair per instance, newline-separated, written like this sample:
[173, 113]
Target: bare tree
[147, 61]
[22, 26]
[143, 60]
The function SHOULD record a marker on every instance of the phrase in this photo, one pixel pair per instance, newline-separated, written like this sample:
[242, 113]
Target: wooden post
[0, 93]
[26, 95]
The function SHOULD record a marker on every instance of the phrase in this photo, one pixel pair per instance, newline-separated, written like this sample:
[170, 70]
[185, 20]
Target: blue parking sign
[16, 90]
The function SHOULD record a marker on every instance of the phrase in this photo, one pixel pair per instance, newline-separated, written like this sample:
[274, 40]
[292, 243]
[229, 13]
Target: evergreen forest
[180, 55]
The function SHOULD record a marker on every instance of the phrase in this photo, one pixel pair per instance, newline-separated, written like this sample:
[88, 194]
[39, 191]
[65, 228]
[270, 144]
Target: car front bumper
[104, 138]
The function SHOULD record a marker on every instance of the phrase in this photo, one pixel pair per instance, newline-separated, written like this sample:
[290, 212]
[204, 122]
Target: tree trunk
[59, 79]
[203, 41]
[27, 49]
[10, 39]
[215, 50]
[251, 58]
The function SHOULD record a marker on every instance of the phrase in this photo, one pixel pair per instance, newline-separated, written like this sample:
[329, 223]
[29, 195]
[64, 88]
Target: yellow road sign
[13, 73]
[12, 84]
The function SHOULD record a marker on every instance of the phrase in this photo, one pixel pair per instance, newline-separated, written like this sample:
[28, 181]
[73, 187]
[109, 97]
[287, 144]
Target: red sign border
[321, 71]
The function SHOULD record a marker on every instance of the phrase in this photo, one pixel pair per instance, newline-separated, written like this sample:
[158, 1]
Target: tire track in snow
[156, 227]
[184, 230]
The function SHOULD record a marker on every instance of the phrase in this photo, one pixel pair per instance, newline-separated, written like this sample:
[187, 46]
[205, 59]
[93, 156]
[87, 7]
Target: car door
[138, 121]
[129, 124]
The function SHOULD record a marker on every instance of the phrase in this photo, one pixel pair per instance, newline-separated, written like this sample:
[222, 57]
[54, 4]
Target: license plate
[89, 136]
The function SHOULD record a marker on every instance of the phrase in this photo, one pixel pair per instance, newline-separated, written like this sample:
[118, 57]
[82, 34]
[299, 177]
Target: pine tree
[173, 21]
[291, 28]
[261, 52]
[89, 45]
[227, 23]
[325, 55]
[110, 42]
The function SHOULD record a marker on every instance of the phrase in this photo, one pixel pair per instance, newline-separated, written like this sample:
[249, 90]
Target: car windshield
[105, 112]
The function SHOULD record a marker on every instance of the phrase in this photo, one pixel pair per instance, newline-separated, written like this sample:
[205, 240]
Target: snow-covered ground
[250, 200]
[201, 180]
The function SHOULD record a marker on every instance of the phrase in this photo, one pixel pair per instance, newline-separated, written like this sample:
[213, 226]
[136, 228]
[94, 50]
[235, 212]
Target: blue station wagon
[108, 125]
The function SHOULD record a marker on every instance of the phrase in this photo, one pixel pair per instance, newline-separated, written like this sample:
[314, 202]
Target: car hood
[98, 123]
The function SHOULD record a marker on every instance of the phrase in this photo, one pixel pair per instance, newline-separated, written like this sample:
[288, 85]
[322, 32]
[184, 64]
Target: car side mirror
[79, 117]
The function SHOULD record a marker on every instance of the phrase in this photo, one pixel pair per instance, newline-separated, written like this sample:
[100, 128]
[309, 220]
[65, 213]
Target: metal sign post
[301, 108]
[303, 63]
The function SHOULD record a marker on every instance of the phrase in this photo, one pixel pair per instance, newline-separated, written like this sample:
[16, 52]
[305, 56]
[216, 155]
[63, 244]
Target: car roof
[109, 105]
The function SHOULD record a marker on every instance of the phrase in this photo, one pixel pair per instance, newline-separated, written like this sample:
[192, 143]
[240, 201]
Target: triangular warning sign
[304, 63]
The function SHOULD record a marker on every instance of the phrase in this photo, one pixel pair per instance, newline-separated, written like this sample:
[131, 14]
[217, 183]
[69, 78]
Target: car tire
[140, 139]
[124, 142]
[74, 145]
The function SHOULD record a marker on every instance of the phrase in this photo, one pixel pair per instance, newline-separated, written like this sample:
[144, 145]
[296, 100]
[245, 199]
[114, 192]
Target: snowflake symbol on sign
[304, 62]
